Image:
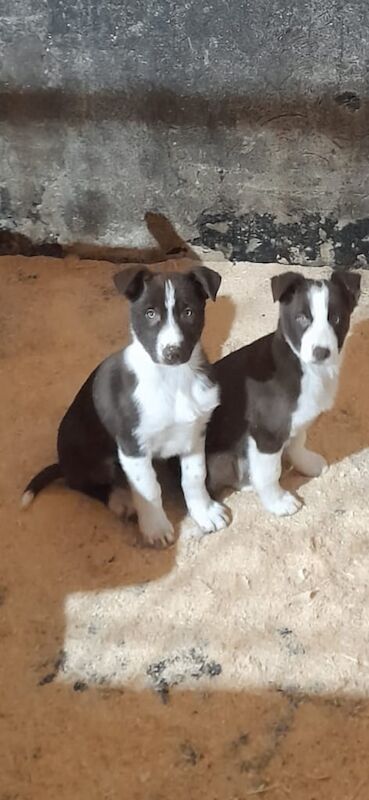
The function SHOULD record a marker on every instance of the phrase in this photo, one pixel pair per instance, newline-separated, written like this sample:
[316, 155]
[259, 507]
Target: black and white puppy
[273, 389]
[151, 400]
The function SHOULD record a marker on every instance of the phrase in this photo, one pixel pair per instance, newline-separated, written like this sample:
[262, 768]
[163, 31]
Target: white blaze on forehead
[319, 301]
[170, 334]
[170, 297]
[319, 333]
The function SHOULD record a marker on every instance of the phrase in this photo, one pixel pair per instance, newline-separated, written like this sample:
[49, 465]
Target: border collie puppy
[152, 399]
[273, 389]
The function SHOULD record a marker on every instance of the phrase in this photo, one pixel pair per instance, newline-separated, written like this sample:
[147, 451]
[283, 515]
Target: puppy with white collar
[151, 400]
[273, 389]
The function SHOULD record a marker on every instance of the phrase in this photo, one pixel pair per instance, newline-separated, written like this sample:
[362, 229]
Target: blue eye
[150, 313]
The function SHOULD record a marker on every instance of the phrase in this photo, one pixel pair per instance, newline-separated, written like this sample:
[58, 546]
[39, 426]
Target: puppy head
[315, 315]
[168, 309]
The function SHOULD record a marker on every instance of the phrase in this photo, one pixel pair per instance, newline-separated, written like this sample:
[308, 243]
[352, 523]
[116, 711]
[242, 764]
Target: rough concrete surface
[229, 666]
[247, 123]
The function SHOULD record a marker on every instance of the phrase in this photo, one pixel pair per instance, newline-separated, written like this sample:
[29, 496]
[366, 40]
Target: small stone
[47, 679]
[80, 686]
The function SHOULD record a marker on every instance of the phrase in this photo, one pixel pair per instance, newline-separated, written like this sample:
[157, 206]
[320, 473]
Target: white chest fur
[174, 402]
[318, 391]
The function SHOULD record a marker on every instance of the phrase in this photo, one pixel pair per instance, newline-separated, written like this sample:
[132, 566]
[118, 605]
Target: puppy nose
[321, 353]
[171, 354]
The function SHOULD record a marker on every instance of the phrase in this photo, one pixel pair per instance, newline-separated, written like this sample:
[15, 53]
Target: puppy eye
[150, 313]
[187, 312]
[335, 319]
[303, 320]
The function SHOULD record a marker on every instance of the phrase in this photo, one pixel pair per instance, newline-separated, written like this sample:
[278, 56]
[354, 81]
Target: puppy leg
[120, 502]
[265, 472]
[120, 498]
[221, 472]
[153, 522]
[209, 515]
[117, 498]
[305, 461]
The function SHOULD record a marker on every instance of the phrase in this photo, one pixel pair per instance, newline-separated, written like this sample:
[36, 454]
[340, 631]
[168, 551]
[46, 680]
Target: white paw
[283, 504]
[311, 464]
[211, 517]
[157, 531]
[121, 503]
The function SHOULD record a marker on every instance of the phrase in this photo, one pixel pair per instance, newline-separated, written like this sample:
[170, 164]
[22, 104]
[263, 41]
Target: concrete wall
[247, 123]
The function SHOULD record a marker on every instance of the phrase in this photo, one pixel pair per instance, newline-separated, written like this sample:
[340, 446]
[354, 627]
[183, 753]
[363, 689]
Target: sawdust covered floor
[228, 667]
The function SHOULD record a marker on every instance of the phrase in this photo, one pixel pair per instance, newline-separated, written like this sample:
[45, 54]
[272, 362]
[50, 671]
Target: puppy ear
[285, 284]
[349, 282]
[130, 282]
[208, 279]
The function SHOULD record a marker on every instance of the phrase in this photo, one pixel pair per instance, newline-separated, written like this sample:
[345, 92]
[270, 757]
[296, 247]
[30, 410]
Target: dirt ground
[230, 666]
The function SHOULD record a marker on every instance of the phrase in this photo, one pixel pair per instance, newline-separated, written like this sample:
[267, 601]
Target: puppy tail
[39, 482]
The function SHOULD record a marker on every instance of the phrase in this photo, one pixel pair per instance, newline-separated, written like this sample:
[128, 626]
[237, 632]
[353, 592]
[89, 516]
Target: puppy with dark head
[151, 400]
[273, 389]
[167, 310]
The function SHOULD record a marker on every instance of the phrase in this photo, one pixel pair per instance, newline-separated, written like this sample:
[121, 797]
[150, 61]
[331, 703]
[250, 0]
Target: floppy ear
[285, 284]
[130, 281]
[208, 279]
[349, 282]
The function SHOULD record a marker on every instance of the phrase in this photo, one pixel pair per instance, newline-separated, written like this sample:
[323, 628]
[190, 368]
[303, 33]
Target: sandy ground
[227, 667]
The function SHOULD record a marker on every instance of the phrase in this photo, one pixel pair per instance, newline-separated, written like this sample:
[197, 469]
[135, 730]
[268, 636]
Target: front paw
[157, 531]
[211, 517]
[283, 504]
[311, 464]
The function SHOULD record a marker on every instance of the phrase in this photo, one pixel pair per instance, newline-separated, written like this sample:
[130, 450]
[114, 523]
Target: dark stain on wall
[261, 238]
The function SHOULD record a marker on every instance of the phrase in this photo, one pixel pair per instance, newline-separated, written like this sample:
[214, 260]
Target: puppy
[273, 389]
[151, 400]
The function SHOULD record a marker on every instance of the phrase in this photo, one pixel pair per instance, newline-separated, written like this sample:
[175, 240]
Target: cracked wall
[246, 124]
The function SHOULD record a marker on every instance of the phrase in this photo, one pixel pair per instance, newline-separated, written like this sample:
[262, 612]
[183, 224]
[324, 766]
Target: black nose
[321, 353]
[172, 355]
